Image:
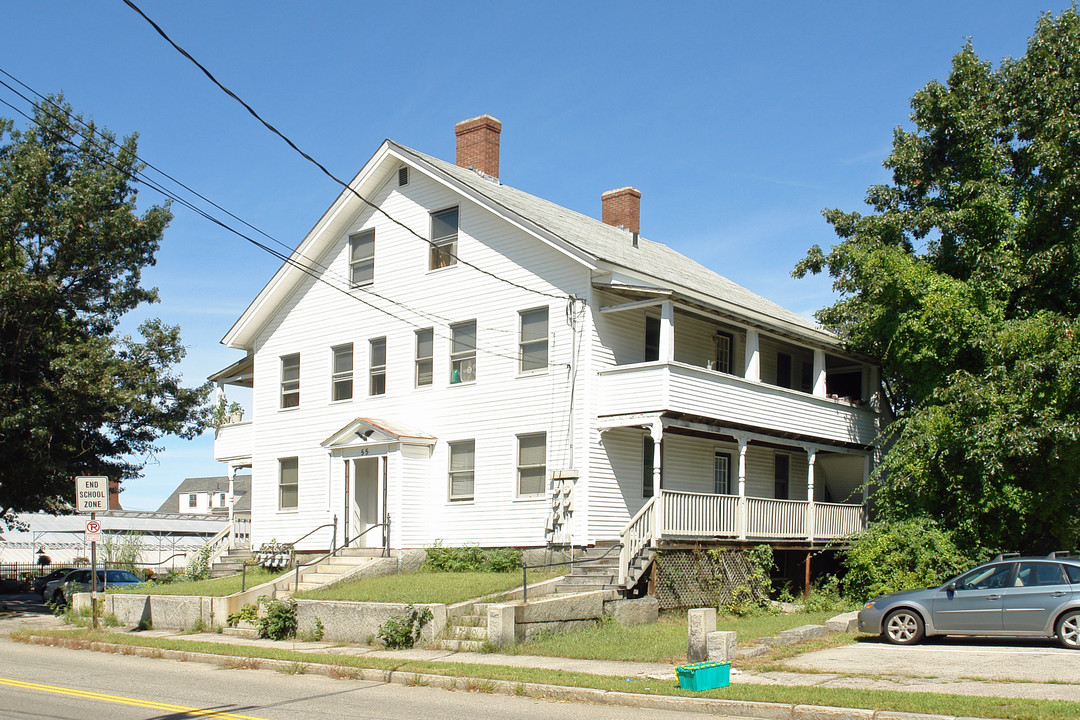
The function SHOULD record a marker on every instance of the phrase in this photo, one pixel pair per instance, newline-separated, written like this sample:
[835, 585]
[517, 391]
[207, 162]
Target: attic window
[403, 175]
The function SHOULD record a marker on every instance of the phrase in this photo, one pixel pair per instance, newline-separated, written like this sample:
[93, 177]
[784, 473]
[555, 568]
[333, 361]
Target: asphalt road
[59, 684]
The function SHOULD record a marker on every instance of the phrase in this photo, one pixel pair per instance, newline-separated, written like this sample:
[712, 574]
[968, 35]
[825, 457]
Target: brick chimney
[478, 144]
[622, 208]
[114, 494]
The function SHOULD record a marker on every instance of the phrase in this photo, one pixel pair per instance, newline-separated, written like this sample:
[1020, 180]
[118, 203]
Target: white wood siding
[500, 405]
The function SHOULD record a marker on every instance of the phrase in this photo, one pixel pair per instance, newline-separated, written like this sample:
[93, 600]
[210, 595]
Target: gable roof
[585, 239]
[215, 484]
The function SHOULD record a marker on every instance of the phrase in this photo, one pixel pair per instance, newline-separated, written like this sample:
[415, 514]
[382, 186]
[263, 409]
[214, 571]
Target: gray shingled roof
[613, 245]
[218, 483]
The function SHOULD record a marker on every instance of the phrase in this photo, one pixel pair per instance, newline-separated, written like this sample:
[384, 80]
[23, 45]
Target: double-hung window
[444, 232]
[647, 452]
[781, 473]
[652, 338]
[783, 370]
[288, 483]
[463, 352]
[533, 343]
[722, 473]
[425, 354]
[362, 258]
[377, 367]
[462, 468]
[192, 500]
[531, 464]
[342, 377]
[290, 381]
[725, 346]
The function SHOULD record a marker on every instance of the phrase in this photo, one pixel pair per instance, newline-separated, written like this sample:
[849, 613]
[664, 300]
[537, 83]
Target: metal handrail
[333, 538]
[335, 550]
[571, 563]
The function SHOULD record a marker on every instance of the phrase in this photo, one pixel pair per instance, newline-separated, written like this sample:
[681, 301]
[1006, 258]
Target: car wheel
[903, 627]
[1068, 630]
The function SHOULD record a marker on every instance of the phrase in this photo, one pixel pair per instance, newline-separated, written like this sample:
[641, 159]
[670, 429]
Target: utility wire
[139, 177]
[319, 165]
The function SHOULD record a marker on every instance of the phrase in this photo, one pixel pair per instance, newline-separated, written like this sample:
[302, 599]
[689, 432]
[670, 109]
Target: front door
[975, 603]
[364, 511]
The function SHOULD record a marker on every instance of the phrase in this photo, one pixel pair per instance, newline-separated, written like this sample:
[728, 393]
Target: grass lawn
[216, 587]
[900, 701]
[663, 642]
[422, 587]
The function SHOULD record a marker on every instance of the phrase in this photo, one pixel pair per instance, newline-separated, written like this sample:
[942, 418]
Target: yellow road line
[154, 705]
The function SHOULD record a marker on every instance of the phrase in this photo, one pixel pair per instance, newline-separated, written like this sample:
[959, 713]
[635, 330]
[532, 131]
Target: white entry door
[365, 501]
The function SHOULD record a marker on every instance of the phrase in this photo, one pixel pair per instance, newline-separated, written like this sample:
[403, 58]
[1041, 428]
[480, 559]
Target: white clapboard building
[478, 365]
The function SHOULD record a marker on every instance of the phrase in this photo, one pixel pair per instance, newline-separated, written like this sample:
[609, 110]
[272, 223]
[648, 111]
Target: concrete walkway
[919, 677]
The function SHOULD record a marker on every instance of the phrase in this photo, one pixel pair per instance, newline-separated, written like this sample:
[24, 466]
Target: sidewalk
[657, 671]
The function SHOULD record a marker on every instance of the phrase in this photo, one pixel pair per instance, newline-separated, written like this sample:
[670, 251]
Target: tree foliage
[77, 398]
[964, 282]
[904, 555]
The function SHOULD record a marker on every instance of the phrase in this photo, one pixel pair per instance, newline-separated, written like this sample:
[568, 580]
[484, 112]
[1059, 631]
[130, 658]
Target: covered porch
[760, 487]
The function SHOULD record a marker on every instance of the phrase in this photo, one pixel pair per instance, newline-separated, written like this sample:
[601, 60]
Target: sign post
[91, 495]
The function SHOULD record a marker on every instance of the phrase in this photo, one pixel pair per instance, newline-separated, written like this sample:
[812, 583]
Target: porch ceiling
[705, 427]
[240, 373]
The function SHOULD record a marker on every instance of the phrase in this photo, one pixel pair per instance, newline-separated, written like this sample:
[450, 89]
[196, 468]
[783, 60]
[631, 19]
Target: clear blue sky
[738, 121]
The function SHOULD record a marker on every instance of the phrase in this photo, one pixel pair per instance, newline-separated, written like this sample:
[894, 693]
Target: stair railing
[525, 568]
[638, 535]
[335, 550]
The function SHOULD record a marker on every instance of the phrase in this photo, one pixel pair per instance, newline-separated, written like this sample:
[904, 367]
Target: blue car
[61, 590]
[1011, 596]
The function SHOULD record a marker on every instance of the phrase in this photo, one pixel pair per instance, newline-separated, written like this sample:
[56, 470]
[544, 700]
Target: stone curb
[729, 708]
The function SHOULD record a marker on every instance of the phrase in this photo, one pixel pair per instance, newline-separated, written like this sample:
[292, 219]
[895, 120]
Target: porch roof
[699, 426]
[374, 430]
[240, 373]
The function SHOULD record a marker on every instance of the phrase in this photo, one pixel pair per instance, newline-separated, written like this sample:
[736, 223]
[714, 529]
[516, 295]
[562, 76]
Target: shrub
[247, 613]
[471, 558]
[902, 555]
[280, 620]
[402, 631]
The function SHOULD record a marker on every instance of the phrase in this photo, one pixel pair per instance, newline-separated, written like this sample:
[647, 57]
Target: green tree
[964, 282]
[77, 398]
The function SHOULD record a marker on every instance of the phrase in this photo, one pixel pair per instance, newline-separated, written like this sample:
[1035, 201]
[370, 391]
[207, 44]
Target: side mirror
[951, 587]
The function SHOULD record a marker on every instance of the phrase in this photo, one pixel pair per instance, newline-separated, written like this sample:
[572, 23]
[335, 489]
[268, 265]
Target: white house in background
[209, 495]
[473, 364]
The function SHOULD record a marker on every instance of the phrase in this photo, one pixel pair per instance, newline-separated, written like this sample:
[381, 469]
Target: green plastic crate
[704, 675]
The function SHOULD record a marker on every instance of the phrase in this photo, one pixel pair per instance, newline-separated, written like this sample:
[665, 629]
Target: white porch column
[656, 431]
[819, 373]
[667, 331]
[753, 355]
[811, 454]
[744, 518]
[229, 501]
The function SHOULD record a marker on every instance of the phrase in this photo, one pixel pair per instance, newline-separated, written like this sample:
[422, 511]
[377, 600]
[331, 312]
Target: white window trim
[455, 500]
[444, 240]
[522, 343]
[730, 459]
[465, 355]
[417, 359]
[518, 467]
[282, 391]
[336, 376]
[296, 507]
[353, 262]
[374, 370]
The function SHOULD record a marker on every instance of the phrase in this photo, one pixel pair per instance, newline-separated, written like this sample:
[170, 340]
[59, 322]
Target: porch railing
[700, 514]
[638, 535]
[832, 520]
[771, 518]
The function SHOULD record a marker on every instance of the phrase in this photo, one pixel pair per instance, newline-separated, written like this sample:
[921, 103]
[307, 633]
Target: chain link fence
[689, 578]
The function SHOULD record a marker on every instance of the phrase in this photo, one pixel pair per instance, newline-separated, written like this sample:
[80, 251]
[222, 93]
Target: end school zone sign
[91, 494]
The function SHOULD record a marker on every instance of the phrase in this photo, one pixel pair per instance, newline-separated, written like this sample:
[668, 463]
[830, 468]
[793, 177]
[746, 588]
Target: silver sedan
[1009, 597]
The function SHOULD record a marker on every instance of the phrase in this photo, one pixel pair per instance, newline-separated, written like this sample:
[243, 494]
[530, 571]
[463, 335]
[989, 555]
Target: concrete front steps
[330, 570]
[466, 632]
[598, 569]
[231, 562]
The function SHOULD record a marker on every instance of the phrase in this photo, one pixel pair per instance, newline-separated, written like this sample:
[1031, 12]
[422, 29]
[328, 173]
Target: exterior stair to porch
[231, 562]
[330, 570]
[598, 569]
[466, 632]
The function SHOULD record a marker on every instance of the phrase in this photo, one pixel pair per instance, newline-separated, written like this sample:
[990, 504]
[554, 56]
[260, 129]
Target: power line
[319, 165]
[138, 176]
